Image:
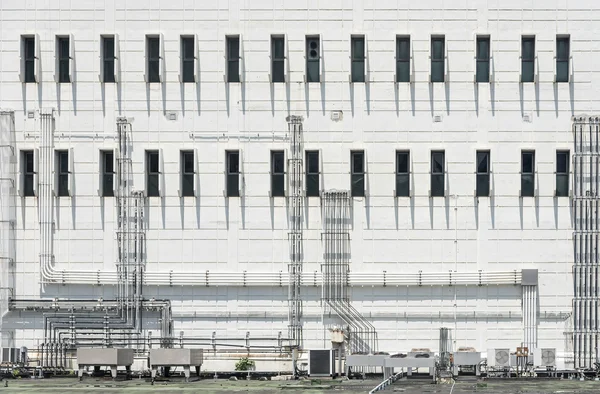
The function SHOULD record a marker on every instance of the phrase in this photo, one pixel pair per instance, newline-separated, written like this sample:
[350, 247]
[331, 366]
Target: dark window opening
[402, 59]
[28, 168]
[62, 161]
[108, 58]
[527, 59]
[438, 59]
[313, 186]
[562, 173]
[527, 173]
[278, 59]
[233, 174]
[64, 59]
[357, 159]
[483, 174]
[188, 58]
[358, 58]
[402, 174]
[152, 173]
[108, 174]
[313, 59]
[233, 59]
[562, 58]
[29, 59]
[483, 59]
[153, 60]
[438, 174]
[277, 174]
[187, 173]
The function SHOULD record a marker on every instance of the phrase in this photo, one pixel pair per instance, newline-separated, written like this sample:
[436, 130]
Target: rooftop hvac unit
[499, 357]
[321, 362]
[14, 355]
[544, 357]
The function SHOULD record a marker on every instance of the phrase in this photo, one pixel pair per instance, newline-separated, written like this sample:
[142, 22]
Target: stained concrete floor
[66, 385]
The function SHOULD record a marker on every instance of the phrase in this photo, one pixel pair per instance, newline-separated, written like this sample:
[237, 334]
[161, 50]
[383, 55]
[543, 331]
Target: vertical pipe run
[295, 235]
[586, 203]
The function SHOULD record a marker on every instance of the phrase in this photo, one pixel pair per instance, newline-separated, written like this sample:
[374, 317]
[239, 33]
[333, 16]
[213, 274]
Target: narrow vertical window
[403, 59]
[233, 173]
[62, 166]
[108, 58]
[527, 59]
[357, 163]
[188, 58]
[29, 59]
[562, 58]
[438, 174]
[438, 58]
[313, 59]
[28, 171]
[527, 173]
[402, 174]
[562, 173]
[152, 173]
[233, 59]
[153, 52]
[187, 173]
[277, 59]
[108, 174]
[313, 185]
[358, 58]
[483, 59]
[63, 60]
[277, 174]
[482, 188]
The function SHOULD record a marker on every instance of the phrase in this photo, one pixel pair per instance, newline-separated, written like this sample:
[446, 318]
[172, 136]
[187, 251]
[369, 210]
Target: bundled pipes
[586, 174]
[8, 184]
[295, 170]
[76, 323]
[362, 337]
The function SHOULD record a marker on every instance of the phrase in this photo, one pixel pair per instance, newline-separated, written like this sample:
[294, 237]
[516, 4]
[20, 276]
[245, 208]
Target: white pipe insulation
[530, 316]
[45, 195]
[280, 279]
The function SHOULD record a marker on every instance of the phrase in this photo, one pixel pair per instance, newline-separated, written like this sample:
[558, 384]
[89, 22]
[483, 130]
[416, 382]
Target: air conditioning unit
[498, 357]
[14, 355]
[544, 357]
[321, 362]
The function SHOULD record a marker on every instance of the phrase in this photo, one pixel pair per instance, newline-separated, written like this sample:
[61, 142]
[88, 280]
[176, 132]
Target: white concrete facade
[458, 233]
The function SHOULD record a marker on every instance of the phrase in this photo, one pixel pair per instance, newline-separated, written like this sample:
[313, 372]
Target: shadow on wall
[436, 293]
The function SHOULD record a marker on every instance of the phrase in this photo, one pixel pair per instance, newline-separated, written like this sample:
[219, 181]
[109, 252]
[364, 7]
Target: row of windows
[188, 171]
[313, 54]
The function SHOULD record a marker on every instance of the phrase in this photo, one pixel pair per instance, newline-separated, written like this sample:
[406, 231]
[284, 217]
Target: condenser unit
[14, 355]
[498, 358]
[321, 362]
[544, 357]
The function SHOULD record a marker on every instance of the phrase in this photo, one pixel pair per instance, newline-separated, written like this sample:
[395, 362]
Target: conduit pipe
[280, 279]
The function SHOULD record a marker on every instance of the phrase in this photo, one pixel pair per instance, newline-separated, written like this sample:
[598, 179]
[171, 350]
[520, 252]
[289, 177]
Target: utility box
[321, 362]
[337, 336]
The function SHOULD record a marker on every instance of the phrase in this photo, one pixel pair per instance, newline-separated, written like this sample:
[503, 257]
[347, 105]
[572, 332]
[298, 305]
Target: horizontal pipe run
[280, 279]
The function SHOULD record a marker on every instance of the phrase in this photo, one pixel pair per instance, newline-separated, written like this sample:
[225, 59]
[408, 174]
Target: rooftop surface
[314, 386]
